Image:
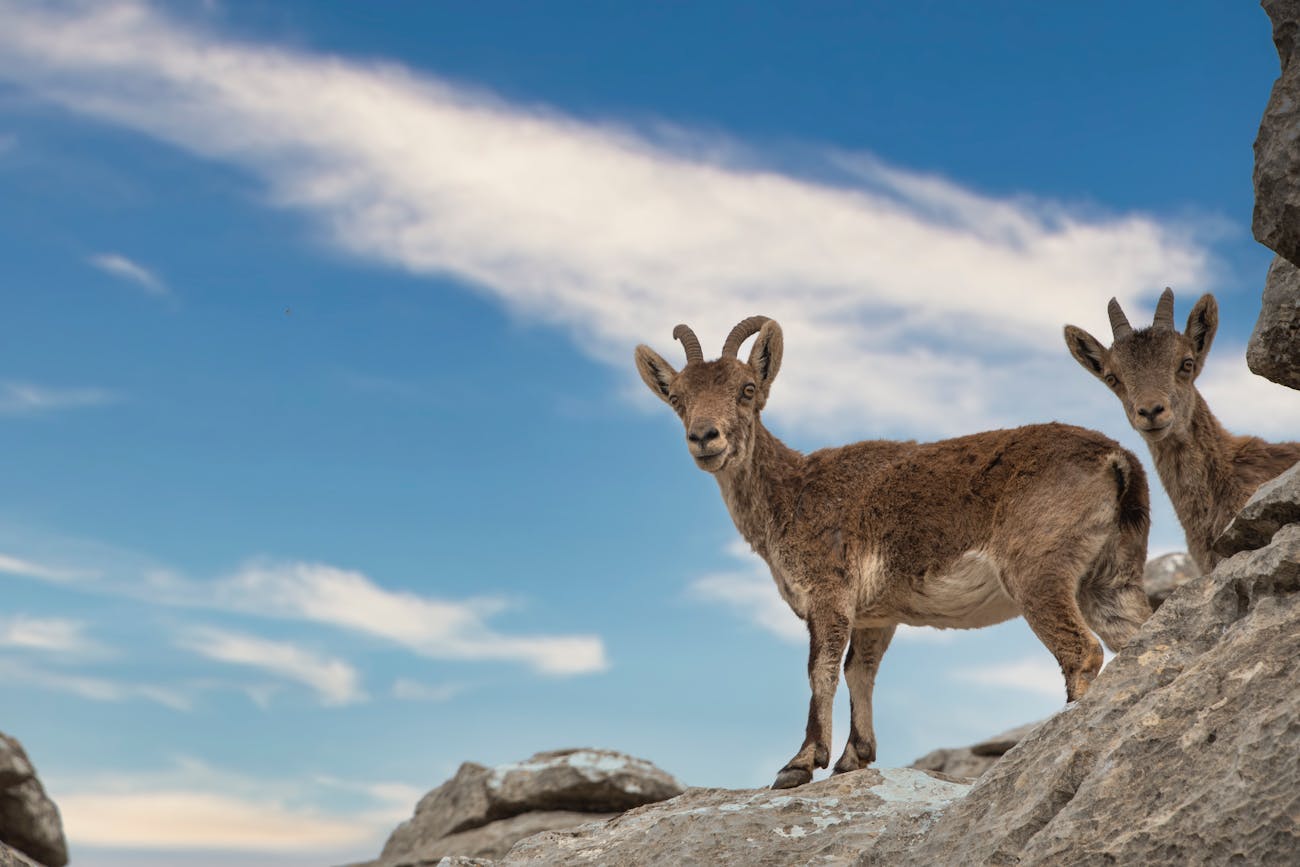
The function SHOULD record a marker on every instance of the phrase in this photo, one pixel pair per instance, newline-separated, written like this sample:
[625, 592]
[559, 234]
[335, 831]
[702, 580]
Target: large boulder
[1276, 221]
[973, 761]
[1182, 752]
[482, 811]
[1274, 504]
[29, 821]
[824, 823]
[1274, 348]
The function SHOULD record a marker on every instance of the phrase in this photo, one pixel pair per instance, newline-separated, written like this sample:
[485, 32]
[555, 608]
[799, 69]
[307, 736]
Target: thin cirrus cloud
[26, 398]
[317, 593]
[613, 235]
[49, 634]
[335, 681]
[133, 272]
[1039, 675]
[89, 687]
[430, 627]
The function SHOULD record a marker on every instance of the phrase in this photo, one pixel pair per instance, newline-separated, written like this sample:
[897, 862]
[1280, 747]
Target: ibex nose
[702, 433]
[1150, 413]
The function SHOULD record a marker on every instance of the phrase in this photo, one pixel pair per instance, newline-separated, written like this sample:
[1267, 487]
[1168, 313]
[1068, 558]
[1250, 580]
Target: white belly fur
[968, 595]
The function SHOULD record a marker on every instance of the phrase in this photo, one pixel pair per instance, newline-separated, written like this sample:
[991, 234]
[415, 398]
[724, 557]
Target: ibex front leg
[828, 633]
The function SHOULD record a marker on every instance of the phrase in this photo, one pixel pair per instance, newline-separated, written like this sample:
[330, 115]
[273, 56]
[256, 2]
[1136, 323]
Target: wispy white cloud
[25, 398]
[52, 634]
[335, 681]
[133, 272]
[1037, 674]
[29, 569]
[431, 627]
[91, 687]
[615, 235]
[193, 806]
[413, 690]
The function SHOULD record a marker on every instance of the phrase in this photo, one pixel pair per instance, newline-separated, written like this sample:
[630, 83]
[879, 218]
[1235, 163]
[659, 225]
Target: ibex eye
[749, 390]
[1111, 380]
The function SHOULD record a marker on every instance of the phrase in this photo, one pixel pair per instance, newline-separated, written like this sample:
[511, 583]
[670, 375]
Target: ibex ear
[657, 373]
[1086, 349]
[1201, 325]
[765, 357]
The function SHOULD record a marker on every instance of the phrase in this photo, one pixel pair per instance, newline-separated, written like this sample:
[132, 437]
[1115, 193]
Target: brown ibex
[1208, 472]
[1049, 521]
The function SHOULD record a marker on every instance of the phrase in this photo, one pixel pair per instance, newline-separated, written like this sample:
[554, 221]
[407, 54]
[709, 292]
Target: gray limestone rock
[29, 821]
[823, 823]
[1183, 752]
[1277, 502]
[1165, 574]
[1274, 348]
[973, 761]
[1276, 221]
[560, 783]
[14, 858]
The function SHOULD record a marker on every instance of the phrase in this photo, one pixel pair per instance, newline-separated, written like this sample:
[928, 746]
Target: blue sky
[327, 466]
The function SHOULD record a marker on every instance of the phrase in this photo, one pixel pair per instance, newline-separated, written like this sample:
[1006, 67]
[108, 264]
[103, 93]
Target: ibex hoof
[791, 777]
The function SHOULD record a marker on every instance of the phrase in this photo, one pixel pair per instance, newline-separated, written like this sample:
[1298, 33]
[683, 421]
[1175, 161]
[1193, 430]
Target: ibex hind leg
[866, 648]
[1111, 595]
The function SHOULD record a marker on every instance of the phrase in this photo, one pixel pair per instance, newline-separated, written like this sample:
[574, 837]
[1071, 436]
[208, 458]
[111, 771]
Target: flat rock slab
[558, 782]
[1275, 504]
[1183, 752]
[822, 823]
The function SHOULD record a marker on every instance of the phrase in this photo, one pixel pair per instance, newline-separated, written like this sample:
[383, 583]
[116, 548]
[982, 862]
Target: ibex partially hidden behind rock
[1208, 473]
[1048, 521]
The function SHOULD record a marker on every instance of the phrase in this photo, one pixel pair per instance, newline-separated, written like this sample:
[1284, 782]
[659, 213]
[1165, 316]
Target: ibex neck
[757, 491]
[1196, 469]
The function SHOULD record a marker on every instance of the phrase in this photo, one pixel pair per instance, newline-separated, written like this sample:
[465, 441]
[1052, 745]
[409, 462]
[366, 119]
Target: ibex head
[718, 401]
[1151, 369]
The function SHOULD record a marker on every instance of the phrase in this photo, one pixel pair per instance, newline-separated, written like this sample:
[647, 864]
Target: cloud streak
[335, 681]
[613, 234]
[56, 635]
[25, 398]
[123, 268]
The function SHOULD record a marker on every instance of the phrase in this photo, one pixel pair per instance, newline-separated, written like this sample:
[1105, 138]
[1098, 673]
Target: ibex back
[1045, 521]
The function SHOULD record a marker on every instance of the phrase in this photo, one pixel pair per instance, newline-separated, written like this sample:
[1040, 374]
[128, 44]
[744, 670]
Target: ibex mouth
[711, 463]
[1155, 433]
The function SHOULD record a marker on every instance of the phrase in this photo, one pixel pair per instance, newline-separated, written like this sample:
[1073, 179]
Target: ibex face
[718, 401]
[1151, 370]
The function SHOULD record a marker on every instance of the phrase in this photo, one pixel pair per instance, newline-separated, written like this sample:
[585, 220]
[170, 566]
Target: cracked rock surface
[29, 821]
[482, 811]
[823, 823]
[1183, 752]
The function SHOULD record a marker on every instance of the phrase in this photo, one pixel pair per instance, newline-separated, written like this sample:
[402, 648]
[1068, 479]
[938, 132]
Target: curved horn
[738, 335]
[1165, 310]
[690, 343]
[1119, 326]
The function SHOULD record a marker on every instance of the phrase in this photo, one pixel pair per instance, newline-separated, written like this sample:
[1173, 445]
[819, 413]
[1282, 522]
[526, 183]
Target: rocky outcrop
[973, 761]
[1272, 351]
[1182, 752]
[29, 821]
[1165, 574]
[825, 823]
[482, 811]
[1277, 147]
[14, 858]
[1275, 504]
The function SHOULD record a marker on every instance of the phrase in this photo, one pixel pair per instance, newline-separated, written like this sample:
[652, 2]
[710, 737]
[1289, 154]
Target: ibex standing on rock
[1049, 521]
[1208, 473]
